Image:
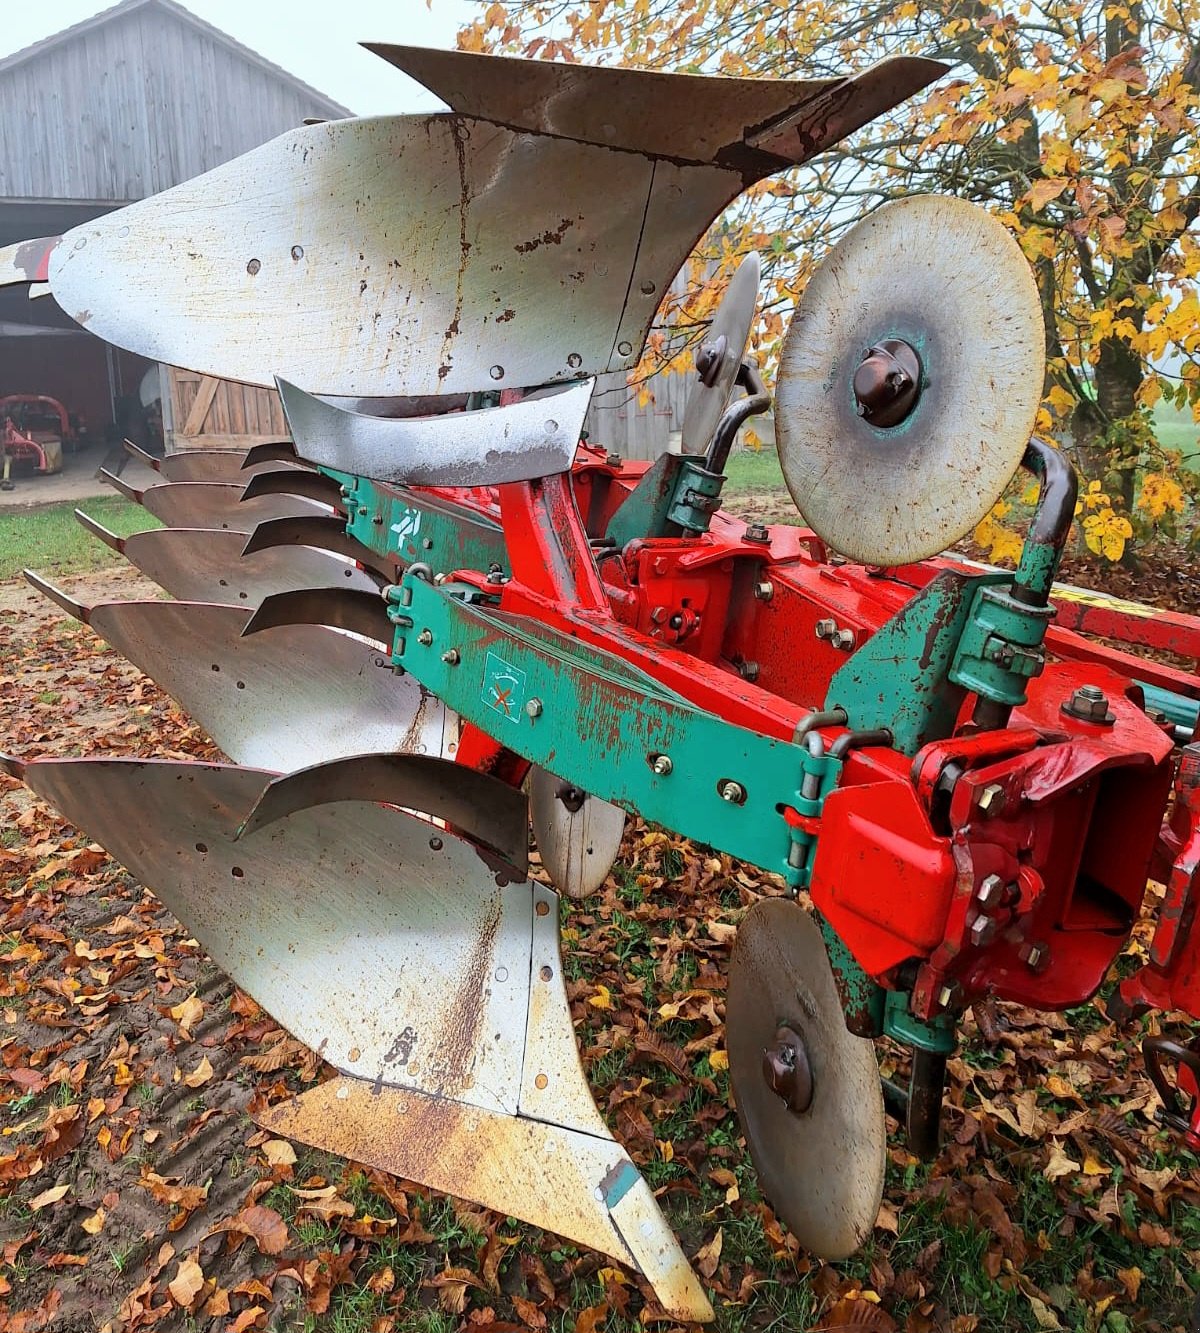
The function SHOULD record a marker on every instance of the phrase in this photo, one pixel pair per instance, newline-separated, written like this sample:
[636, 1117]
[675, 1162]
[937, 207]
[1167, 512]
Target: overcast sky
[316, 41]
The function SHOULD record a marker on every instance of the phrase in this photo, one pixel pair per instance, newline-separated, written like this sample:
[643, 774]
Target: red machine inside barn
[434, 617]
[36, 431]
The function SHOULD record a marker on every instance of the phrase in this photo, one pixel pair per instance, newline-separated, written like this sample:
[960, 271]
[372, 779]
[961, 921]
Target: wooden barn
[120, 106]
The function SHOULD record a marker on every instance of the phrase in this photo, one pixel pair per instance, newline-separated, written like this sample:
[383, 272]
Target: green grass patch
[49, 539]
[751, 472]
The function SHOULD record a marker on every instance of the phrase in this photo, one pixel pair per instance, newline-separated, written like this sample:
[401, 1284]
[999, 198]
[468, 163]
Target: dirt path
[77, 481]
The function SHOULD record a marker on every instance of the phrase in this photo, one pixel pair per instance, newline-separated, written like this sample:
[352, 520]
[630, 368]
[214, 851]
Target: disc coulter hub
[887, 383]
[787, 1070]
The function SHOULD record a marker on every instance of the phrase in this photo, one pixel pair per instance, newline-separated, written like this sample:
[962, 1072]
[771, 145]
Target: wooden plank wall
[210, 413]
[135, 104]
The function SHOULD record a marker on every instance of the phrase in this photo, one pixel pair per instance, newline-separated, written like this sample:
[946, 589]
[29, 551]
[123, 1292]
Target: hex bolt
[495, 575]
[533, 707]
[1090, 704]
[757, 532]
[826, 629]
[991, 800]
[1035, 956]
[763, 592]
[992, 892]
[450, 657]
[425, 638]
[613, 460]
[661, 765]
[731, 791]
[843, 639]
[983, 931]
[748, 671]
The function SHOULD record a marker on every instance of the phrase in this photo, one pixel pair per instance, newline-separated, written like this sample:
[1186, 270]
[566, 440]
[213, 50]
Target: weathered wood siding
[134, 104]
[209, 413]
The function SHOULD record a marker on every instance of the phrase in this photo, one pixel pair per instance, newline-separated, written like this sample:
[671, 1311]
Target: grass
[750, 472]
[48, 538]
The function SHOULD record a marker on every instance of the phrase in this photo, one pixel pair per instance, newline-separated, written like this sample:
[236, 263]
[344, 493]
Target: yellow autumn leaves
[1104, 530]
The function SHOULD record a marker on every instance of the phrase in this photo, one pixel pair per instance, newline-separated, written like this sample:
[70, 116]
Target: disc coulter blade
[909, 380]
[822, 1165]
[578, 835]
[720, 355]
[285, 698]
[435, 990]
[208, 564]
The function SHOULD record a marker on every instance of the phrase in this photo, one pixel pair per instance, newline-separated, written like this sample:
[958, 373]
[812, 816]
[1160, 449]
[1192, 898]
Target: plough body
[436, 592]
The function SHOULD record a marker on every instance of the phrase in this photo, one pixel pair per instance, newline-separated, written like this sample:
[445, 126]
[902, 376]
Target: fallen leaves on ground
[137, 1188]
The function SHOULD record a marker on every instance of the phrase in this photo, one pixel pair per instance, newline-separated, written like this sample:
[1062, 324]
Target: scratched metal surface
[285, 698]
[397, 255]
[517, 442]
[207, 564]
[394, 983]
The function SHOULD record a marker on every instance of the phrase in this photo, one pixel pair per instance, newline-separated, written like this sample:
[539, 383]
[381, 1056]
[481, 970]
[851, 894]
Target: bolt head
[991, 800]
[983, 931]
[826, 629]
[1035, 956]
[533, 707]
[992, 891]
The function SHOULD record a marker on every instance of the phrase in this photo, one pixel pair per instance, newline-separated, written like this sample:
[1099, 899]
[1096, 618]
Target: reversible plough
[435, 617]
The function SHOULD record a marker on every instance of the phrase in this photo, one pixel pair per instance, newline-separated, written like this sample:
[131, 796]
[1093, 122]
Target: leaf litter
[136, 1191]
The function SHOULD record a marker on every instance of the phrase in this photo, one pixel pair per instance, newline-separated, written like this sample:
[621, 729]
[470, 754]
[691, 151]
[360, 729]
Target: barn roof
[326, 104]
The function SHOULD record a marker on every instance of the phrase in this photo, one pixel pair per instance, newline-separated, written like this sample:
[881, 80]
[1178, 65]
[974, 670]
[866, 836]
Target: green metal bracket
[939, 1036]
[677, 494]
[645, 511]
[697, 496]
[596, 721]
[862, 998]
[414, 528]
[1002, 645]
[901, 677]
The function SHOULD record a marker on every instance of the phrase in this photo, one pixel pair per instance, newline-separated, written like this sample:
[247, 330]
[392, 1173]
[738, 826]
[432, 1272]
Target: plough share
[437, 615]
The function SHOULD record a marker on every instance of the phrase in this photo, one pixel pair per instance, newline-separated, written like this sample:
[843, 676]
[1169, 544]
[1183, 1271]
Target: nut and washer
[450, 657]
[1089, 704]
[731, 791]
[757, 532]
[661, 765]
[826, 629]
[844, 640]
[763, 592]
[425, 638]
